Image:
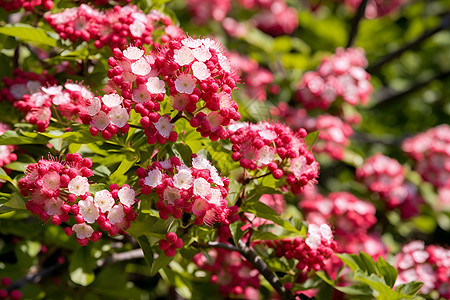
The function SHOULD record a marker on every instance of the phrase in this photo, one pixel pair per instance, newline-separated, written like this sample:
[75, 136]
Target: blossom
[104, 200]
[127, 195]
[88, 209]
[185, 83]
[164, 126]
[112, 100]
[118, 116]
[83, 230]
[79, 185]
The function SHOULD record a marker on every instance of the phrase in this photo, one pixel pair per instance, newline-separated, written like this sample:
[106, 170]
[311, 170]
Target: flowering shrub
[223, 149]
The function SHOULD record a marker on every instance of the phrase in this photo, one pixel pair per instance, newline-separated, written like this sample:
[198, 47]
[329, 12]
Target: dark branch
[34, 277]
[355, 22]
[256, 261]
[445, 23]
[389, 95]
[121, 256]
[261, 266]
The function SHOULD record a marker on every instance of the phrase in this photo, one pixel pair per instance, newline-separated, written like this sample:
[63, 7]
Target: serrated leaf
[261, 210]
[410, 288]
[28, 33]
[349, 261]
[368, 262]
[388, 272]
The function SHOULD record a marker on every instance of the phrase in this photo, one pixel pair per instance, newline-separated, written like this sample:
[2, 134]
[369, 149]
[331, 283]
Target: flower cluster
[24, 83]
[181, 189]
[375, 8]
[59, 189]
[198, 77]
[6, 151]
[170, 244]
[107, 114]
[341, 75]
[275, 147]
[67, 99]
[431, 151]
[430, 264]
[311, 252]
[28, 5]
[115, 27]
[4, 294]
[334, 132]
[274, 17]
[256, 78]
[233, 273]
[385, 176]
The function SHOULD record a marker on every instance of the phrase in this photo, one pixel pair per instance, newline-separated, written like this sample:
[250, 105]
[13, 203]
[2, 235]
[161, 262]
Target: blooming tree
[235, 149]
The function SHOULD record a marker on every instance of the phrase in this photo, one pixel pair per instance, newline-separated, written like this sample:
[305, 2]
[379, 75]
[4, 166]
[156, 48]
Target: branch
[445, 22]
[121, 256]
[355, 22]
[251, 256]
[34, 277]
[388, 95]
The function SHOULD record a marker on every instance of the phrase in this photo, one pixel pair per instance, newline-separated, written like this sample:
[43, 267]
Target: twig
[121, 256]
[34, 277]
[389, 95]
[247, 180]
[445, 23]
[355, 22]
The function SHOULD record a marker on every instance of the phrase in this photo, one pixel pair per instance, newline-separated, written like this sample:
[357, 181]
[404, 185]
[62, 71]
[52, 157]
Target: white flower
[39, 98]
[141, 67]
[137, 28]
[164, 126]
[83, 230]
[185, 83]
[183, 179]
[94, 107]
[266, 155]
[141, 94]
[166, 164]
[224, 62]
[201, 187]
[18, 90]
[200, 162]
[118, 116]
[156, 85]
[133, 53]
[101, 121]
[116, 214]
[314, 238]
[216, 197]
[104, 200]
[33, 86]
[215, 176]
[200, 70]
[127, 195]
[201, 53]
[61, 98]
[183, 56]
[53, 206]
[325, 232]
[154, 178]
[191, 43]
[112, 100]
[171, 194]
[88, 209]
[52, 90]
[78, 185]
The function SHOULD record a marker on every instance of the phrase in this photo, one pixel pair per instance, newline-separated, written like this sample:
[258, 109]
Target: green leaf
[160, 262]
[118, 176]
[236, 231]
[311, 138]
[146, 248]
[184, 152]
[388, 272]
[12, 137]
[349, 261]
[410, 288]
[29, 34]
[368, 262]
[261, 210]
[16, 201]
[81, 266]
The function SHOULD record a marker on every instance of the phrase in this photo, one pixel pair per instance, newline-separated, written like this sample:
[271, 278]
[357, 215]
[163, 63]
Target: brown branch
[121, 256]
[355, 22]
[445, 23]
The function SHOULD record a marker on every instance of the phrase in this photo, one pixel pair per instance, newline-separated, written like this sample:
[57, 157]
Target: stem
[136, 126]
[355, 22]
[425, 35]
[178, 116]
[246, 181]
